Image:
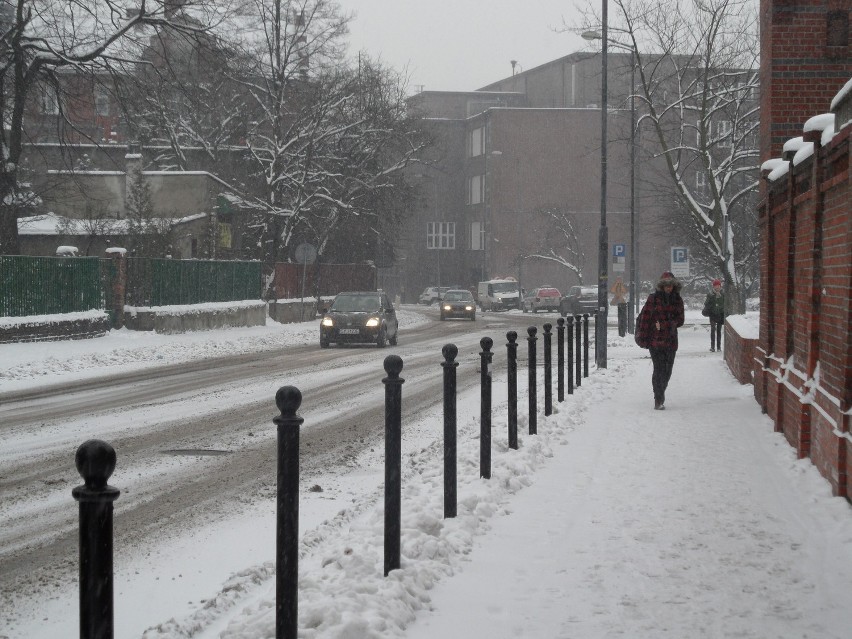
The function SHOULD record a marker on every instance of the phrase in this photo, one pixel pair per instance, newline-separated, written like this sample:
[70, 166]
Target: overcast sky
[461, 45]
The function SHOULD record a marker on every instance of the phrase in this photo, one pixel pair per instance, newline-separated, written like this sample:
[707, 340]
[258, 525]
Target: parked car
[458, 303]
[579, 300]
[366, 317]
[496, 295]
[543, 298]
[434, 294]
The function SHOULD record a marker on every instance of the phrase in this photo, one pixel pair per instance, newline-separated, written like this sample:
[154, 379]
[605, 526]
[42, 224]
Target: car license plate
[348, 331]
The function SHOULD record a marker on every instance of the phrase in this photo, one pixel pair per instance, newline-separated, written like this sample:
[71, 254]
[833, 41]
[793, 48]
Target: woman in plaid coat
[659, 320]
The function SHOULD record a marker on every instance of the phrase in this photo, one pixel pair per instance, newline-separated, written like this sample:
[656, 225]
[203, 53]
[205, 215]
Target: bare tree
[560, 244]
[327, 139]
[40, 39]
[696, 89]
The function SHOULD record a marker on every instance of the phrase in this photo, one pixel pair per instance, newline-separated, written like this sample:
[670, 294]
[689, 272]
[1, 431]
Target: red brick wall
[803, 371]
[805, 61]
[739, 355]
[803, 359]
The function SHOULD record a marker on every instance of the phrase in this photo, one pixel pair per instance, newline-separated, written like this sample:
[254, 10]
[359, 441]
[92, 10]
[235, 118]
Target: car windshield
[355, 303]
[589, 291]
[458, 296]
[505, 287]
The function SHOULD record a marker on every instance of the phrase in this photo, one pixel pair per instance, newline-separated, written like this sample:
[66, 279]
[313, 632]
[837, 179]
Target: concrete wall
[173, 193]
[165, 320]
[55, 330]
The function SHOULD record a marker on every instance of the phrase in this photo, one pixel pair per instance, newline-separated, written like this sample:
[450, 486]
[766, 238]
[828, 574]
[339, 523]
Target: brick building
[512, 155]
[803, 361]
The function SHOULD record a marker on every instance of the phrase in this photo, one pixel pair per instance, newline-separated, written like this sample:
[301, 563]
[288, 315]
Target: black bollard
[449, 352]
[95, 461]
[393, 461]
[569, 356]
[485, 408]
[560, 360]
[622, 319]
[586, 344]
[287, 399]
[512, 372]
[578, 354]
[533, 389]
[548, 375]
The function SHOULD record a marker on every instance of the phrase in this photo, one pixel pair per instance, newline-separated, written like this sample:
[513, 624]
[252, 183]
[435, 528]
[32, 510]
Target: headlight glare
[327, 321]
[447, 307]
[373, 321]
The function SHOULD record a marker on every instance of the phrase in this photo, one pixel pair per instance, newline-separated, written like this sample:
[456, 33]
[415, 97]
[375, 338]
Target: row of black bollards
[96, 460]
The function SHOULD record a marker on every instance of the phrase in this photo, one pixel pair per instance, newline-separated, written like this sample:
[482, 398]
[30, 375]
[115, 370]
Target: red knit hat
[717, 283]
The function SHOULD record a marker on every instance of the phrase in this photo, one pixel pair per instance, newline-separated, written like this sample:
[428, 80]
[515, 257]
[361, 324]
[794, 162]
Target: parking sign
[680, 261]
[618, 253]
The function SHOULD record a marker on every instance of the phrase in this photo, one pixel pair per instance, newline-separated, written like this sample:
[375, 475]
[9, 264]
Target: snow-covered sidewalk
[692, 522]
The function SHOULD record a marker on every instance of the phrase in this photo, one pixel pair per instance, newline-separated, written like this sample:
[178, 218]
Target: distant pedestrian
[714, 308]
[656, 330]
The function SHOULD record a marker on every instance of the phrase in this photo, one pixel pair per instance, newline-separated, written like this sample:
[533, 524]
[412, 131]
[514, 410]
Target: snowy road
[195, 440]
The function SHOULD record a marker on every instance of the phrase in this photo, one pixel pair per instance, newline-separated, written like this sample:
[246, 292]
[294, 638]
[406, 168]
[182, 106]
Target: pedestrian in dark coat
[659, 320]
[714, 308]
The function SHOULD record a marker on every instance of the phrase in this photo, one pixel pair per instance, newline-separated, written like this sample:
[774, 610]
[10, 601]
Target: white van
[498, 295]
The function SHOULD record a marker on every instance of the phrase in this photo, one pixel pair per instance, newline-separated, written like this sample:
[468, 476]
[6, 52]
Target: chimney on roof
[133, 167]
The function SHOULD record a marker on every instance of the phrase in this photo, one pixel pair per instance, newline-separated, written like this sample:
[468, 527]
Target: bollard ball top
[393, 365]
[486, 343]
[288, 399]
[548, 327]
[531, 331]
[560, 321]
[95, 461]
[450, 351]
[512, 336]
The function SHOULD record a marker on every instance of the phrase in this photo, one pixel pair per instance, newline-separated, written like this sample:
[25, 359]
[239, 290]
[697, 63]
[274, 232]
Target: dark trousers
[663, 359]
[716, 334]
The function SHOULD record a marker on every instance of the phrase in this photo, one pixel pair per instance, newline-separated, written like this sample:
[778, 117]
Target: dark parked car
[543, 298]
[458, 303]
[579, 300]
[359, 317]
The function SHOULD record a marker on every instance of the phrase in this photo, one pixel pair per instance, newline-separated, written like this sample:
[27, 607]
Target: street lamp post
[595, 35]
[603, 233]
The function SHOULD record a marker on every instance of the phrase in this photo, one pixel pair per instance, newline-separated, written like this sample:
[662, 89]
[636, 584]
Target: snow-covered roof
[779, 171]
[52, 224]
[771, 164]
[819, 122]
[846, 90]
[793, 144]
[806, 151]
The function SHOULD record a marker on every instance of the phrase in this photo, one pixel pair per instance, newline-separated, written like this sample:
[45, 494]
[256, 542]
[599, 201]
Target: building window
[49, 100]
[441, 235]
[477, 142]
[101, 101]
[476, 189]
[723, 132]
[700, 179]
[477, 236]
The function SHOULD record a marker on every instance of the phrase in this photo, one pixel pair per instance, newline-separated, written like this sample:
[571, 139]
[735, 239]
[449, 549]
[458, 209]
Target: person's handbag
[643, 340]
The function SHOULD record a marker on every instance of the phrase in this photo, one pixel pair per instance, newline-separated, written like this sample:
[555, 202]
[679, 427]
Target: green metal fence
[49, 285]
[157, 282]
